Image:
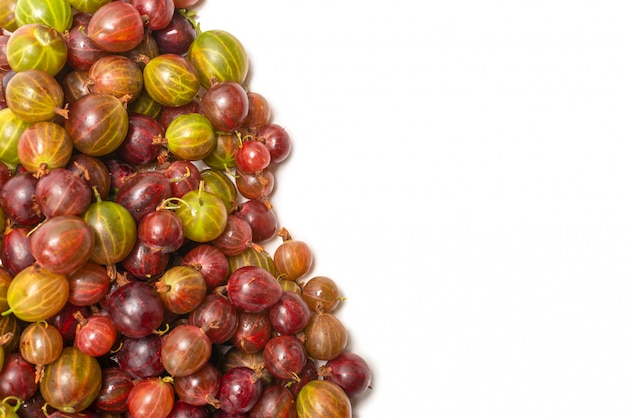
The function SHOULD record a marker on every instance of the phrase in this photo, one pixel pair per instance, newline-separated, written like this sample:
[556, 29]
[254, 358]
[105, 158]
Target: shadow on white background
[459, 168]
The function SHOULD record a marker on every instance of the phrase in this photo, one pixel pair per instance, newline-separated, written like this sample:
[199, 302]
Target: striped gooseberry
[252, 257]
[182, 289]
[152, 397]
[116, 27]
[62, 244]
[217, 315]
[116, 385]
[34, 96]
[36, 46]
[240, 389]
[82, 52]
[62, 192]
[253, 331]
[253, 289]
[44, 146]
[218, 56]
[161, 230]
[190, 137]
[36, 294]
[209, 261]
[321, 294]
[171, 80]
[203, 214]
[136, 309]
[11, 128]
[18, 377]
[40, 343]
[97, 124]
[95, 334]
[226, 105]
[88, 285]
[7, 15]
[348, 370]
[56, 14]
[223, 156]
[199, 388]
[116, 75]
[284, 356]
[323, 399]
[219, 183]
[157, 13]
[186, 348]
[293, 258]
[71, 382]
[115, 231]
[325, 336]
[276, 401]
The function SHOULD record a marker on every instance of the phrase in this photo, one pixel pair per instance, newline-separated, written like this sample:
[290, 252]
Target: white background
[458, 167]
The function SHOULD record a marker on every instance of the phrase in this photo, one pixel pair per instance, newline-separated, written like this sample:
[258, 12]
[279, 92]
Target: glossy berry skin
[252, 157]
[156, 13]
[210, 261]
[57, 15]
[323, 399]
[88, 285]
[136, 309]
[349, 371]
[293, 259]
[176, 36]
[284, 356]
[225, 104]
[62, 244]
[34, 95]
[17, 198]
[171, 80]
[151, 398]
[36, 294]
[62, 192]
[262, 219]
[161, 230]
[185, 350]
[143, 192]
[116, 385]
[276, 401]
[66, 390]
[182, 289]
[37, 46]
[97, 123]
[96, 335]
[277, 141]
[44, 145]
[116, 27]
[325, 336]
[217, 316]
[17, 377]
[199, 388]
[218, 56]
[116, 75]
[114, 229]
[239, 391]
[290, 314]
[253, 289]
[252, 333]
[190, 137]
[140, 358]
[141, 146]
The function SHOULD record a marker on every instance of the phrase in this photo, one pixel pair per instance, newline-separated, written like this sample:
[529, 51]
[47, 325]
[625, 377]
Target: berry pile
[136, 170]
